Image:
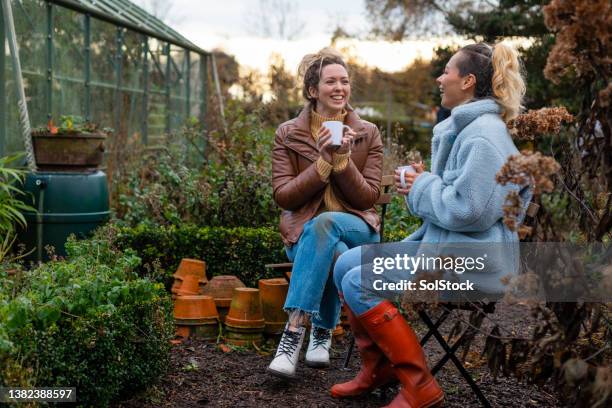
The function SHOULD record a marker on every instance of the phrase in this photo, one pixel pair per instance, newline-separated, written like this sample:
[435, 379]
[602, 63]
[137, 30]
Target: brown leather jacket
[297, 186]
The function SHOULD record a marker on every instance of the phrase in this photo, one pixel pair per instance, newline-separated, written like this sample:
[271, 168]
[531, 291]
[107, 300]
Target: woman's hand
[324, 144]
[408, 177]
[347, 141]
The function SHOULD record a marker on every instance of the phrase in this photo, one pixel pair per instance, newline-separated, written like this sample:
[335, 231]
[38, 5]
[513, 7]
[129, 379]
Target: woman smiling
[327, 193]
[459, 202]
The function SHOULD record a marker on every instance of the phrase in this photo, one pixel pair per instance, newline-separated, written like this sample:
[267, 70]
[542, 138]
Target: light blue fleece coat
[460, 200]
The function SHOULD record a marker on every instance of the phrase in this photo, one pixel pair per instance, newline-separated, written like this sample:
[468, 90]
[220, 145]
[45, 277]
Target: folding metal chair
[479, 309]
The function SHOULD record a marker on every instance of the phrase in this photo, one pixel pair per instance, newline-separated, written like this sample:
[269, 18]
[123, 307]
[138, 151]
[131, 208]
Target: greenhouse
[107, 61]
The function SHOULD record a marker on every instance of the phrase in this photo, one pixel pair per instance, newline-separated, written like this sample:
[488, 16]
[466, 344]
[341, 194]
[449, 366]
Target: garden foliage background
[205, 192]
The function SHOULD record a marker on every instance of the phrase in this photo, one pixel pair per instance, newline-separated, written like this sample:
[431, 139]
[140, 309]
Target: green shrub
[233, 178]
[227, 251]
[399, 223]
[11, 205]
[243, 252]
[88, 322]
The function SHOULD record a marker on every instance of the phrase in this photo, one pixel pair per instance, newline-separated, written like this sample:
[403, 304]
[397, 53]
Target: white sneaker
[285, 361]
[318, 348]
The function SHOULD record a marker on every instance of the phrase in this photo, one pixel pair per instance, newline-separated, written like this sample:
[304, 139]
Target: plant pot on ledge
[71, 147]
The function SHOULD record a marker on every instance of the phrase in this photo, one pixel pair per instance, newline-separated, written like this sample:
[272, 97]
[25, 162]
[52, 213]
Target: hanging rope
[24, 118]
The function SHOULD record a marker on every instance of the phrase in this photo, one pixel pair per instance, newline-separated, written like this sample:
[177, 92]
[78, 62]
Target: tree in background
[279, 19]
[486, 21]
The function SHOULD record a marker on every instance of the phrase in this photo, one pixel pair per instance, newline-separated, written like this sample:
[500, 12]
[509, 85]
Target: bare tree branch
[276, 19]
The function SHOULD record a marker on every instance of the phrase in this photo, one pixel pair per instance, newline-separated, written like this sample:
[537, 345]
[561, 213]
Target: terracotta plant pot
[193, 310]
[245, 310]
[273, 293]
[178, 281]
[344, 318]
[182, 331]
[338, 332]
[206, 331]
[243, 337]
[189, 286]
[221, 289]
[191, 267]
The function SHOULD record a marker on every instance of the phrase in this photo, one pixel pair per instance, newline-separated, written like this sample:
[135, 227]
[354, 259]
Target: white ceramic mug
[403, 170]
[337, 131]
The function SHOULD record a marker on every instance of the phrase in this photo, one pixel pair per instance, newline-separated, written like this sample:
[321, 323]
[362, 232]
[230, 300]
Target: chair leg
[349, 352]
[450, 353]
[440, 320]
[453, 349]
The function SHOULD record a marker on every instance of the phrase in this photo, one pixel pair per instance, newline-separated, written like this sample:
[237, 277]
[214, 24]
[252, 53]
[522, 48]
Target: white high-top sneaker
[318, 347]
[285, 361]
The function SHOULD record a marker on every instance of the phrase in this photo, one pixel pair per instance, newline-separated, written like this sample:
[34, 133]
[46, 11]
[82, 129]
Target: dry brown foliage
[584, 38]
[538, 122]
[571, 341]
[529, 168]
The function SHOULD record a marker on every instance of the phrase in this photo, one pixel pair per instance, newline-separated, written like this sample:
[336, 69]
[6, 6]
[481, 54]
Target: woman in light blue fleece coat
[460, 202]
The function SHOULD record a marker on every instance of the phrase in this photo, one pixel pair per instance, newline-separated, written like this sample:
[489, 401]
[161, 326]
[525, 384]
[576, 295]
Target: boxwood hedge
[87, 322]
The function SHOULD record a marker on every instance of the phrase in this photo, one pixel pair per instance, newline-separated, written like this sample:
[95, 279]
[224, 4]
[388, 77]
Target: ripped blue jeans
[312, 288]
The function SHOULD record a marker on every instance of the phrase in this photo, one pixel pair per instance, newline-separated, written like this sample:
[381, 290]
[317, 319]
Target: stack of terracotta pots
[194, 314]
[244, 323]
[273, 293]
[248, 313]
[189, 278]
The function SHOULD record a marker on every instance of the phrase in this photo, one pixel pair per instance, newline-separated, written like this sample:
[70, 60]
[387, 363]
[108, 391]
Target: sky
[231, 25]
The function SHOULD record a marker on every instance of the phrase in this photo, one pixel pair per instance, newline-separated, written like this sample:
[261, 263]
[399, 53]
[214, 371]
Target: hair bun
[317, 58]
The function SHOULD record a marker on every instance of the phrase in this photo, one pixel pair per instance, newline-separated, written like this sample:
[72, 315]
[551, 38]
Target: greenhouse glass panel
[157, 104]
[132, 84]
[195, 84]
[178, 93]
[103, 49]
[103, 76]
[68, 91]
[109, 62]
[31, 29]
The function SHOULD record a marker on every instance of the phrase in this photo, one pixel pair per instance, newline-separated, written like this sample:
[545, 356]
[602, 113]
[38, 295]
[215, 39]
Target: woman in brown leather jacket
[327, 194]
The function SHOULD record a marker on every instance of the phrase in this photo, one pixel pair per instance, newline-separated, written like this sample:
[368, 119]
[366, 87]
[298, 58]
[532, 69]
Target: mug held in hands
[403, 170]
[337, 131]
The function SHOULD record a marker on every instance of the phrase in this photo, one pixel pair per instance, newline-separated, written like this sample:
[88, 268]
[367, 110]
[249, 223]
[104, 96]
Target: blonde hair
[311, 66]
[498, 75]
[508, 83]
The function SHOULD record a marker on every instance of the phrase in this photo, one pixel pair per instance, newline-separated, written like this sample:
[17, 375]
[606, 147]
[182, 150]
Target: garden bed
[203, 375]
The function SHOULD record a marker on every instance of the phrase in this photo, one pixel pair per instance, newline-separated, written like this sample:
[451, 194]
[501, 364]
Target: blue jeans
[360, 299]
[347, 278]
[312, 288]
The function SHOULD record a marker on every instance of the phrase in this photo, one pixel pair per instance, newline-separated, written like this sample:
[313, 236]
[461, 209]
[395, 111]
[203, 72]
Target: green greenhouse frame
[108, 61]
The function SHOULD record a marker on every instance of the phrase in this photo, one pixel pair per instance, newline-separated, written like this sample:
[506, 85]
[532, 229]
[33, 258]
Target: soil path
[202, 375]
